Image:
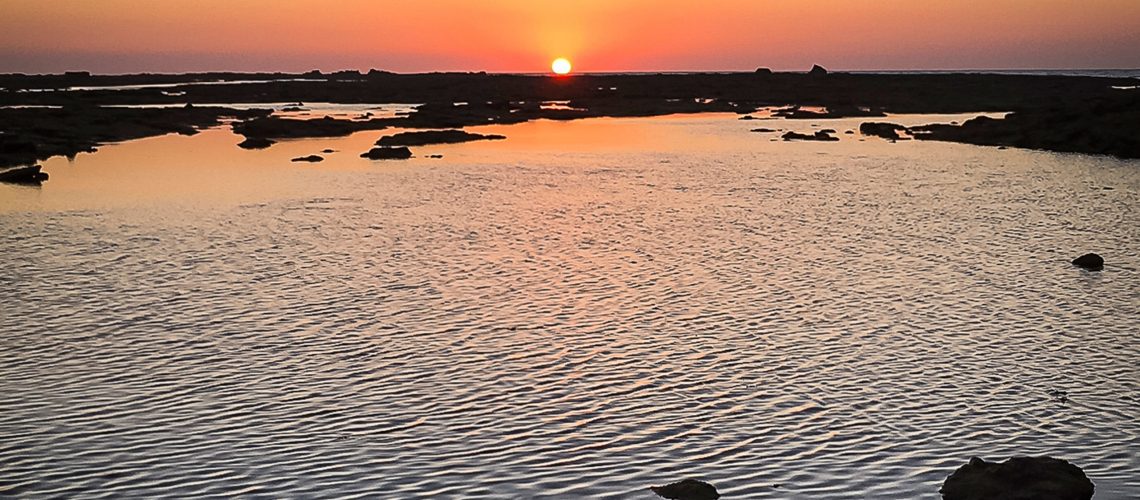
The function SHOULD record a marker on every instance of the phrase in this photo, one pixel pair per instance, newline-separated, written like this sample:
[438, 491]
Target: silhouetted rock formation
[817, 70]
[763, 130]
[820, 135]
[763, 71]
[1056, 113]
[28, 135]
[689, 489]
[256, 143]
[400, 153]
[1090, 261]
[434, 137]
[23, 175]
[1019, 478]
[309, 159]
[286, 128]
[884, 130]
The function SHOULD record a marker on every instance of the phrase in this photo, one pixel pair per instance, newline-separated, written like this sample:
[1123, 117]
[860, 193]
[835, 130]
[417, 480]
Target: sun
[561, 66]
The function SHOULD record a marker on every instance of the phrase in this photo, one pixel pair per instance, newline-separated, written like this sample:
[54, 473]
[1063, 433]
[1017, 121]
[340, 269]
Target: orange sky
[597, 35]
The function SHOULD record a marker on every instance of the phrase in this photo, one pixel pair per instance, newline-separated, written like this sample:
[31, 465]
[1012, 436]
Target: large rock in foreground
[388, 154]
[1019, 478]
[689, 489]
[1090, 261]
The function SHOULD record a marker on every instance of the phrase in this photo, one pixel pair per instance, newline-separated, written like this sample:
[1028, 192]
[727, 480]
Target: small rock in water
[1019, 478]
[689, 489]
[328, 151]
[385, 153]
[1090, 261]
[310, 159]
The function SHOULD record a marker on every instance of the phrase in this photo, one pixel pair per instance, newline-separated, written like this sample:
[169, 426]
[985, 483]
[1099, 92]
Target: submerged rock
[763, 130]
[1019, 478]
[256, 143]
[1090, 261]
[23, 175]
[384, 153]
[309, 159]
[689, 489]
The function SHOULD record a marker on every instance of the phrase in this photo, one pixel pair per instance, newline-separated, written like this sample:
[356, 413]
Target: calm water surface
[583, 310]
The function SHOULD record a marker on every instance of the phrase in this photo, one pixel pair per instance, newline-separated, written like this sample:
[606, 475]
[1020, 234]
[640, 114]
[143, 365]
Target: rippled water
[583, 310]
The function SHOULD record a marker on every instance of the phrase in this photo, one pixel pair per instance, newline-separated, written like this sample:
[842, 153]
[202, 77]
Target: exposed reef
[429, 137]
[1102, 130]
[1056, 113]
[28, 135]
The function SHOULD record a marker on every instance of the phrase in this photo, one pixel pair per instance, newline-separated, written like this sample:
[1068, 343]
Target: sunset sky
[116, 36]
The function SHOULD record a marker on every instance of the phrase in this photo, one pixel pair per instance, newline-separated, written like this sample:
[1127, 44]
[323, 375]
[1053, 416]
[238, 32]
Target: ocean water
[582, 310]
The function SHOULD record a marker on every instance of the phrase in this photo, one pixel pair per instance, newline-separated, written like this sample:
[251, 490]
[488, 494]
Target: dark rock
[293, 109]
[879, 129]
[1090, 261]
[435, 156]
[256, 143]
[763, 130]
[434, 137]
[328, 151]
[689, 489]
[309, 159]
[763, 71]
[23, 175]
[385, 153]
[1019, 478]
[817, 70]
[748, 117]
[287, 128]
[818, 136]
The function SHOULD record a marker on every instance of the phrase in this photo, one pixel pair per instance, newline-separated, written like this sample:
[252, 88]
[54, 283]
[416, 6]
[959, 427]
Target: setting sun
[561, 66]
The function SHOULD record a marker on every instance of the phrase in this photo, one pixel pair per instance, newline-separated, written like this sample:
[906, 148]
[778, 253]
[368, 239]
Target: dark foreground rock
[23, 175]
[821, 135]
[1019, 478]
[1090, 261]
[386, 153]
[689, 489]
[429, 137]
[309, 159]
[817, 70]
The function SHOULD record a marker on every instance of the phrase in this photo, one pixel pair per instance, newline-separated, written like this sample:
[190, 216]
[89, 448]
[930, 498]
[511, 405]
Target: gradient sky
[117, 36]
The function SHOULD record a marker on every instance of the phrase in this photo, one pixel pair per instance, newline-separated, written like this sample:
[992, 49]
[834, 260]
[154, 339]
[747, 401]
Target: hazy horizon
[512, 36]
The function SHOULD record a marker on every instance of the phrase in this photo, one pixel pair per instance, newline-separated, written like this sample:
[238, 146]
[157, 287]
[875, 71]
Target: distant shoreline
[1081, 114]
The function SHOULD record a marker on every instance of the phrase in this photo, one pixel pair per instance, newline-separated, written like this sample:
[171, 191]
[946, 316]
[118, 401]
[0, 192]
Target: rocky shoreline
[49, 115]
